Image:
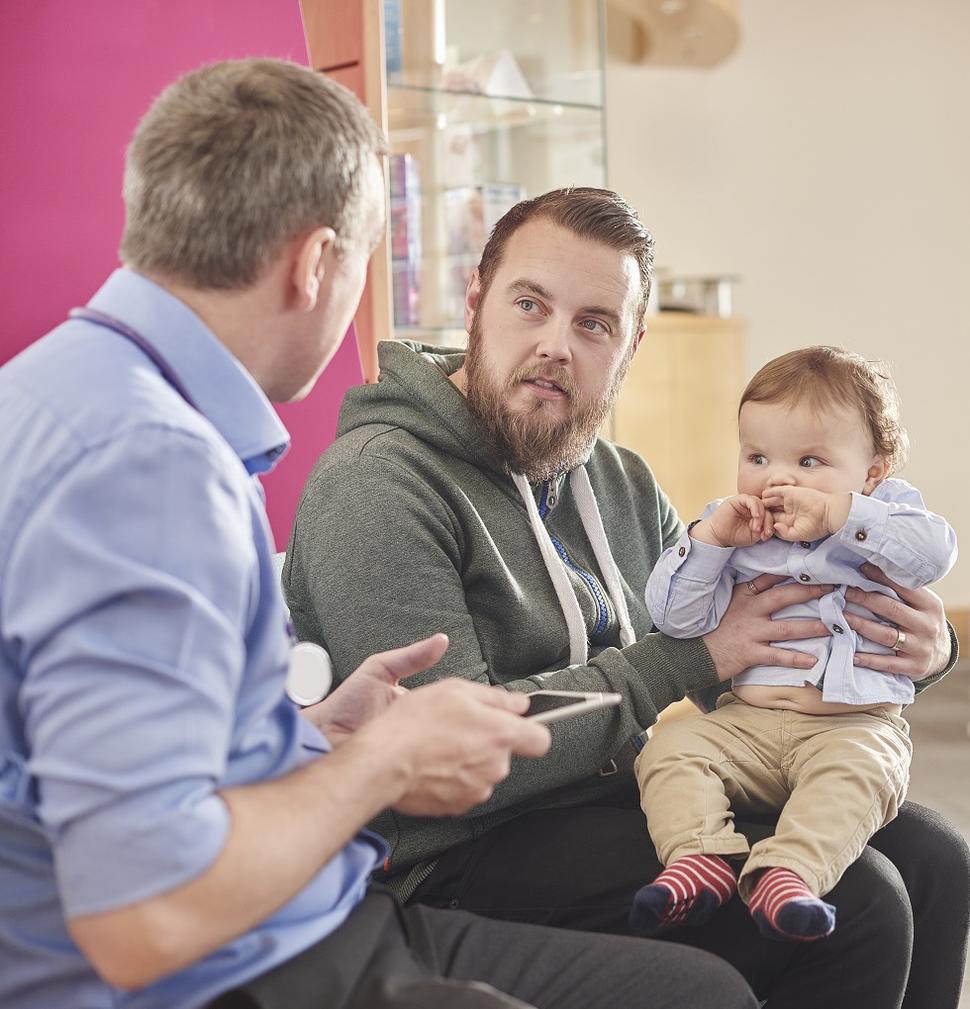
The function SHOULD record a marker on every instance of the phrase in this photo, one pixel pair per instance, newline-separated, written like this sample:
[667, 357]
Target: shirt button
[805, 544]
[804, 578]
[861, 535]
[681, 551]
[551, 500]
[838, 629]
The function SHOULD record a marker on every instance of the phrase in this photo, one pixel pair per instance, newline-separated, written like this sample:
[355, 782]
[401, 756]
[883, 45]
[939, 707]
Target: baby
[819, 437]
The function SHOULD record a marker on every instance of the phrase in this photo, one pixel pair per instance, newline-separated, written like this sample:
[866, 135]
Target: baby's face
[795, 445]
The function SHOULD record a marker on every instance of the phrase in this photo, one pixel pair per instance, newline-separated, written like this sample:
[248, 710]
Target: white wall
[827, 162]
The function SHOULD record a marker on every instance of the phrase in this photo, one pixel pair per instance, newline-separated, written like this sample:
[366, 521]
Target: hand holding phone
[554, 705]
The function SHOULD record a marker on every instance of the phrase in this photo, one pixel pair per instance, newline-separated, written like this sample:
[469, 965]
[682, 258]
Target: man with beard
[471, 495]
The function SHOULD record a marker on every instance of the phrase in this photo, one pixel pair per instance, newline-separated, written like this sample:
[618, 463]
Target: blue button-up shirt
[691, 586]
[143, 648]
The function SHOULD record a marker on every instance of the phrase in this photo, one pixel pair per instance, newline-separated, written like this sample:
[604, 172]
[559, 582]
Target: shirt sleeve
[690, 587]
[127, 597]
[909, 544]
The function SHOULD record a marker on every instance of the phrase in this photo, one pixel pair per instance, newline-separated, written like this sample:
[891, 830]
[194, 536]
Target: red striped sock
[784, 908]
[687, 892]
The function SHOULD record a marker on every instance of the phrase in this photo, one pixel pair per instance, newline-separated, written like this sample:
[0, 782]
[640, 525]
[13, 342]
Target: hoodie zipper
[588, 579]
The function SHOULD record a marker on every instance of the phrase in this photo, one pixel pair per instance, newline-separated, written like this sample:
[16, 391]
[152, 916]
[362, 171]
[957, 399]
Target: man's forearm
[282, 833]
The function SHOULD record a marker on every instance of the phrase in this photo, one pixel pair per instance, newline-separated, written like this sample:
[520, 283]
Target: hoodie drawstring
[568, 603]
[593, 526]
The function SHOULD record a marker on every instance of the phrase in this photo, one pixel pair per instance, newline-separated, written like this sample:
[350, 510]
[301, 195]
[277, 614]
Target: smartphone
[554, 705]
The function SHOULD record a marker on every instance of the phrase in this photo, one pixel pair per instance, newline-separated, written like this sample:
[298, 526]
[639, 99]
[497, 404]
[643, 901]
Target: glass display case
[486, 104]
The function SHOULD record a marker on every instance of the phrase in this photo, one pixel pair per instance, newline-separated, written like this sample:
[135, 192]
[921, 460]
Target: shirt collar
[225, 393]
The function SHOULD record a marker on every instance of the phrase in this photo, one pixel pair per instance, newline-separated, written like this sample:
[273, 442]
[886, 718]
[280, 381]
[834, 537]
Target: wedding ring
[900, 641]
[753, 589]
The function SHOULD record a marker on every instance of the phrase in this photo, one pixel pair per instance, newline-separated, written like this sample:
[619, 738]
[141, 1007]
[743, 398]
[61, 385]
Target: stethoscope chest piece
[310, 674]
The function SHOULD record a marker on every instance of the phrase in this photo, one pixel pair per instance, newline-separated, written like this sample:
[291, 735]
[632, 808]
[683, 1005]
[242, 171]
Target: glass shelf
[414, 110]
[551, 49]
[513, 99]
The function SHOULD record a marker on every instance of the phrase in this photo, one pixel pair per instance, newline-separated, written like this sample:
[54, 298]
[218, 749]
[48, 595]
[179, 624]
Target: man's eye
[809, 462]
[593, 326]
[526, 304]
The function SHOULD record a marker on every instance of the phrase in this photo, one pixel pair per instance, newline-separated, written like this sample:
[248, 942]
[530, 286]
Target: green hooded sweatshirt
[409, 525]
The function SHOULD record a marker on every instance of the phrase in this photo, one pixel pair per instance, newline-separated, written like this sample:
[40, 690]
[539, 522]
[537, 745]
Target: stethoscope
[310, 672]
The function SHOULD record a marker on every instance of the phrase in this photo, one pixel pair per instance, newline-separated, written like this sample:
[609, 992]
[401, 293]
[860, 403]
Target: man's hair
[827, 376]
[597, 214]
[234, 160]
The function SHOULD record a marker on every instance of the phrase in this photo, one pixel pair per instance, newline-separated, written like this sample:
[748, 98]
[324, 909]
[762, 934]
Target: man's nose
[554, 342]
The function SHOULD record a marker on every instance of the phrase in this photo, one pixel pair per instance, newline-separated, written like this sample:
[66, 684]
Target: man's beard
[534, 440]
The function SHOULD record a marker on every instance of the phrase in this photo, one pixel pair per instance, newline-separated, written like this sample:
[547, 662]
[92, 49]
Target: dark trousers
[903, 908]
[386, 957]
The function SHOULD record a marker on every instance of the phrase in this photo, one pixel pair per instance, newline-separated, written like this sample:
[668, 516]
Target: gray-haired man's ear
[309, 268]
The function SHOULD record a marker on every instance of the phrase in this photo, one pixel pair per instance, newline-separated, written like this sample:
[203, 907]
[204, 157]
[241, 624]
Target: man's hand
[802, 513]
[738, 521]
[450, 743]
[918, 613]
[743, 637]
[372, 687]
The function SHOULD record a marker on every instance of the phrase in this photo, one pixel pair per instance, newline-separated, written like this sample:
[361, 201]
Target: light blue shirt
[143, 648]
[691, 586]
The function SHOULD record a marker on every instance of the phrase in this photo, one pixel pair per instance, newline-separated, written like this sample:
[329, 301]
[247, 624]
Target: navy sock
[784, 908]
[687, 892]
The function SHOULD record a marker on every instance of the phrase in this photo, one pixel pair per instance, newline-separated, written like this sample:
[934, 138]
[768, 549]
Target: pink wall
[75, 78]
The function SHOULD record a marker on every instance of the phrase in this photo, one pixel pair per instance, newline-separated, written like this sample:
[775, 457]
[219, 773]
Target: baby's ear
[878, 471]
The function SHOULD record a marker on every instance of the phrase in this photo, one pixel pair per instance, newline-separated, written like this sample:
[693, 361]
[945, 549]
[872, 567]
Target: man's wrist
[386, 774]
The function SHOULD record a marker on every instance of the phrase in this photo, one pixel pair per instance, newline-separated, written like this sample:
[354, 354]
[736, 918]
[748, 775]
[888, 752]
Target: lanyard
[122, 329]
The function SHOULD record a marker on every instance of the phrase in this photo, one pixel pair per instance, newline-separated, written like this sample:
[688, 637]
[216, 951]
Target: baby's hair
[827, 376]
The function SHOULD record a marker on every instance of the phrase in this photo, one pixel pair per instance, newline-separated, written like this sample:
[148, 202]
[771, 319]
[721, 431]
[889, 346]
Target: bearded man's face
[549, 345]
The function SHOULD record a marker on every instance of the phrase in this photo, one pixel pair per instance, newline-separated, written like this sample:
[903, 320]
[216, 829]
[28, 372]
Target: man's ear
[878, 471]
[473, 297]
[313, 253]
[637, 339]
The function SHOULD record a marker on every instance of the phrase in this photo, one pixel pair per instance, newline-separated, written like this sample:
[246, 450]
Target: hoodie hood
[414, 392]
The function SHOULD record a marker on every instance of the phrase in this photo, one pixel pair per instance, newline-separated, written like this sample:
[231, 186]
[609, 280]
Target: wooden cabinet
[678, 408]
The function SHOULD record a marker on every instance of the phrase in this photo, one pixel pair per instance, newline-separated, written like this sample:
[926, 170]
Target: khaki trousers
[835, 778]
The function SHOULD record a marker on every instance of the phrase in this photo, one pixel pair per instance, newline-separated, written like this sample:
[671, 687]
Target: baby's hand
[802, 513]
[738, 521]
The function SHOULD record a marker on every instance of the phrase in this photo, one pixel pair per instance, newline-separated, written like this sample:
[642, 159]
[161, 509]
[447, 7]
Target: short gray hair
[234, 160]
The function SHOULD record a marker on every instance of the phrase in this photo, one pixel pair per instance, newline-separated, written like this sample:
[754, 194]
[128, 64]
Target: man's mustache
[558, 376]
